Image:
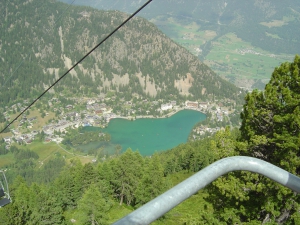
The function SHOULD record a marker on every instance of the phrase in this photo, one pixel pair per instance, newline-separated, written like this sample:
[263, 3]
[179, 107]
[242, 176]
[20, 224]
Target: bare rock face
[184, 84]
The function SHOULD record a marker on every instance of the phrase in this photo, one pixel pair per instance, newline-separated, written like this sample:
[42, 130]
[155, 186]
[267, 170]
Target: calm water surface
[148, 135]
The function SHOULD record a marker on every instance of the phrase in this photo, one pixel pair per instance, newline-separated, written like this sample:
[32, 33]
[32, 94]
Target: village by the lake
[53, 118]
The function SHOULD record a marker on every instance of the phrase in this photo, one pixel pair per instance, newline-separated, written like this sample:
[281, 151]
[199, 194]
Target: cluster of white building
[188, 105]
[168, 105]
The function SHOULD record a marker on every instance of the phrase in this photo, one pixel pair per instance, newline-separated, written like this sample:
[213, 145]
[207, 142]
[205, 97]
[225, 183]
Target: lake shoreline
[148, 136]
[157, 117]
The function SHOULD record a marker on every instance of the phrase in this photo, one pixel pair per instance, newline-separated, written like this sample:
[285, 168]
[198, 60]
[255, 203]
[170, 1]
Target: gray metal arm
[4, 196]
[7, 190]
[171, 198]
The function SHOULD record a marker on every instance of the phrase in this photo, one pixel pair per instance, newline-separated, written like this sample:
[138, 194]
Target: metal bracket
[4, 192]
[171, 198]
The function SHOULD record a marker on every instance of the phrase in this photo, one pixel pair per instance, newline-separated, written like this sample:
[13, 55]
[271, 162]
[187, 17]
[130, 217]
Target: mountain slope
[252, 20]
[41, 40]
[242, 41]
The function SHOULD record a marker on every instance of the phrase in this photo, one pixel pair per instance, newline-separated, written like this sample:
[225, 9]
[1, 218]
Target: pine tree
[69, 185]
[126, 175]
[271, 121]
[20, 210]
[92, 207]
[152, 183]
[47, 208]
[270, 131]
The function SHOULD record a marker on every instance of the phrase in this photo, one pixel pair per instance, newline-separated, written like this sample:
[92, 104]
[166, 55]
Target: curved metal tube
[7, 190]
[171, 198]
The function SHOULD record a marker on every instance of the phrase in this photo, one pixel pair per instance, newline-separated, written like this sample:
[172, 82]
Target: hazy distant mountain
[269, 24]
[265, 29]
[41, 40]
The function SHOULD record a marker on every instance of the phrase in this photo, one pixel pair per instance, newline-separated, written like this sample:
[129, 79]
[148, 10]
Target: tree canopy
[270, 131]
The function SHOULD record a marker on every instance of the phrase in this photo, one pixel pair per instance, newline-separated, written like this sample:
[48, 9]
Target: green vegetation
[265, 27]
[138, 59]
[75, 137]
[270, 131]
[52, 186]
[188, 35]
[230, 56]
[105, 191]
[45, 152]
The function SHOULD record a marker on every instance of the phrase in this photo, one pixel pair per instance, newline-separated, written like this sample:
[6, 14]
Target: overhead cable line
[76, 64]
[20, 64]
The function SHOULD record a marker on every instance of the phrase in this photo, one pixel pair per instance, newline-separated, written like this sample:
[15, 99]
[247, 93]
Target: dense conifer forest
[100, 193]
[40, 40]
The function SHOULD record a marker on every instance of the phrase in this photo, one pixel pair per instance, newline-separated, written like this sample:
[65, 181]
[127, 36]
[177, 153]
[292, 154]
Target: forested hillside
[103, 192]
[40, 40]
[242, 41]
[266, 24]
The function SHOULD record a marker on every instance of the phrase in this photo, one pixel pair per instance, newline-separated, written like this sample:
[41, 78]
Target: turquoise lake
[148, 135]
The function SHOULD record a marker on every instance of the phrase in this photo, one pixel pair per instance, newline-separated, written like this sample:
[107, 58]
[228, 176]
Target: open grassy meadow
[230, 57]
[189, 35]
[233, 58]
[5, 160]
[46, 151]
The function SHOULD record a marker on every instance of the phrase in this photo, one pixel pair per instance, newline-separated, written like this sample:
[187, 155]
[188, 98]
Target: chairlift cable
[76, 64]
